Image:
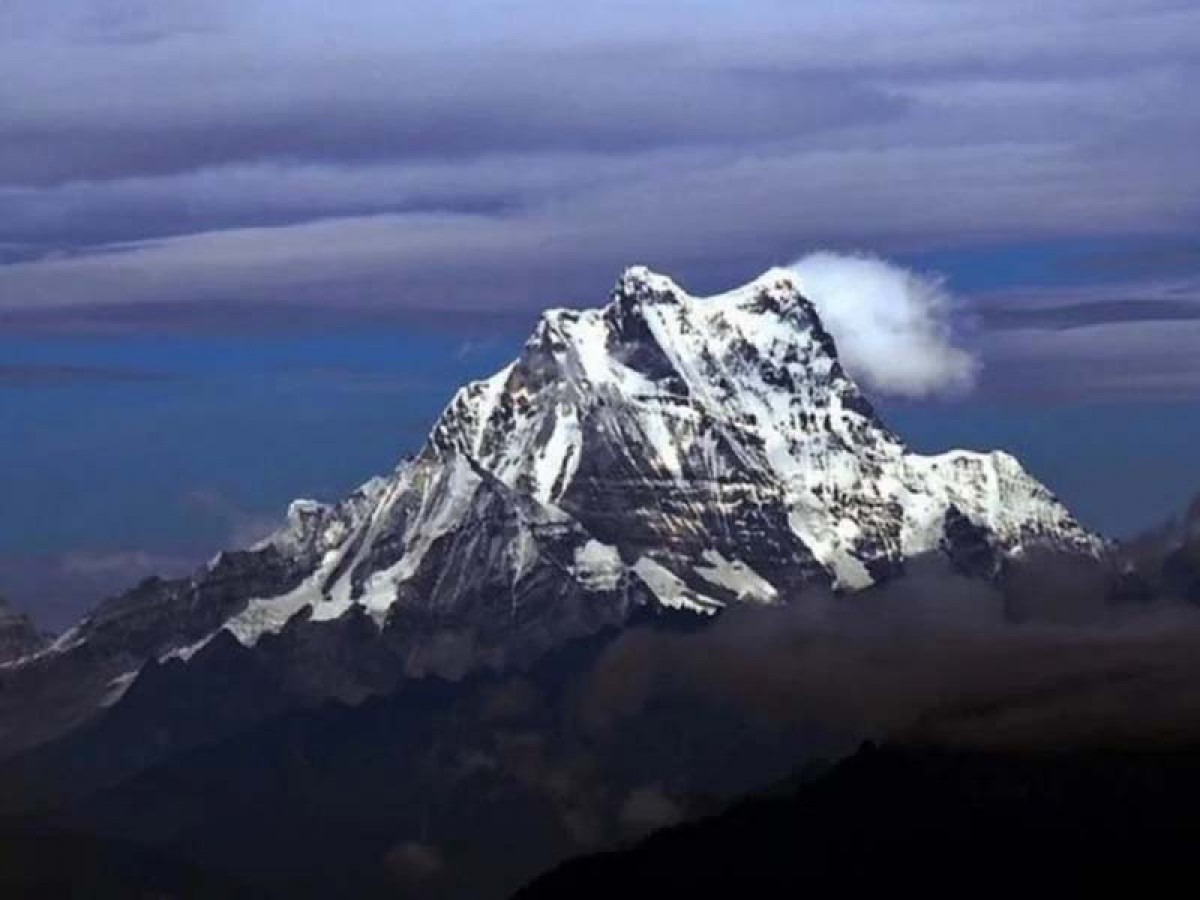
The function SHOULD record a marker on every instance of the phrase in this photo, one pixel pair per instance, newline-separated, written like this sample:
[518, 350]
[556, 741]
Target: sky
[248, 249]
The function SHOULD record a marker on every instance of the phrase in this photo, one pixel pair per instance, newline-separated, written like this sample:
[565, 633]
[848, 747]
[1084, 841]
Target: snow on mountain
[704, 450]
[686, 451]
[663, 451]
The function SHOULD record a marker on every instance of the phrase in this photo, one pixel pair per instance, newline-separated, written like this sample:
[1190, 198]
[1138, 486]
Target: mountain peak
[709, 444]
[663, 449]
[643, 283]
[778, 277]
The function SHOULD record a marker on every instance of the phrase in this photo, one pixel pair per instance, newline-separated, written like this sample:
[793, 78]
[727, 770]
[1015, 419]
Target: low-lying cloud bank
[933, 659]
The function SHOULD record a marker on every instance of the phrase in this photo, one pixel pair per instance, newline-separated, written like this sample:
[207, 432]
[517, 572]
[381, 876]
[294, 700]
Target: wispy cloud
[1130, 340]
[245, 527]
[126, 566]
[27, 375]
[892, 325]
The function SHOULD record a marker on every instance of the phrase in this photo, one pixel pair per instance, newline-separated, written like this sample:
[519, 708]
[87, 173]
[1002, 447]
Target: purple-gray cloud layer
[1117, 342]
[474, 155]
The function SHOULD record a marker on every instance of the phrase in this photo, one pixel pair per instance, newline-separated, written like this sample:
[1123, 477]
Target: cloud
[245, 528]
[217, 162]
[1116, 361]
[891, 325]
[123, 566]
[412, 863]
[24, 376]
[927, 658]
[724, 129]
[472, 347]
[647, 809]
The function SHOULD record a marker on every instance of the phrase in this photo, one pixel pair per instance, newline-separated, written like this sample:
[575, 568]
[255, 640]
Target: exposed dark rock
[969, 546]
[18, 635]
[897, 821]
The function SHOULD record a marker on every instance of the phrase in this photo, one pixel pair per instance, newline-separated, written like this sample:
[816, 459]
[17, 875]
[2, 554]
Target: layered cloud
[403, 140]
[231, 162]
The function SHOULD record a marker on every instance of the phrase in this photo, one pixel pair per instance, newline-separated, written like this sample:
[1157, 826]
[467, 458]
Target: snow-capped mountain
[664, 450]
[707, 449]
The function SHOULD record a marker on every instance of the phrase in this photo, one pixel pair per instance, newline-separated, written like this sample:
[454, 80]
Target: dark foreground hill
[41, 863]
[890, 821]
[893, 821]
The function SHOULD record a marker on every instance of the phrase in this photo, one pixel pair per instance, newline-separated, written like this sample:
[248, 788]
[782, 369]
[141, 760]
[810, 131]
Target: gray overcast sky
[472, 153]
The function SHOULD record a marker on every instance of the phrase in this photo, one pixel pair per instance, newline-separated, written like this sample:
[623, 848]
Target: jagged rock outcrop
[18, 635]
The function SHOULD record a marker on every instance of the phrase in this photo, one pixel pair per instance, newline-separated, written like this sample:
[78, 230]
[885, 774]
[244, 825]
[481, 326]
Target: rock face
[1070, 821]
[664, 450]
[1166, 560]
[18, 636]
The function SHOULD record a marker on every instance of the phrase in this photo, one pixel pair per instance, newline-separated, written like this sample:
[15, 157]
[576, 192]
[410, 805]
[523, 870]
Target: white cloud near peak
[892, 326]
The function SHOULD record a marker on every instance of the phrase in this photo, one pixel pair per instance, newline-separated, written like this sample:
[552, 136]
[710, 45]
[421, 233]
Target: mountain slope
[18, 636]
[708, 449]
[665, 449]
[36, 862]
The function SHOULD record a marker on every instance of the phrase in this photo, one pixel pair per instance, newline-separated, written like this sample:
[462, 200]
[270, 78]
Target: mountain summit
[662, 451]
[706, 450]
